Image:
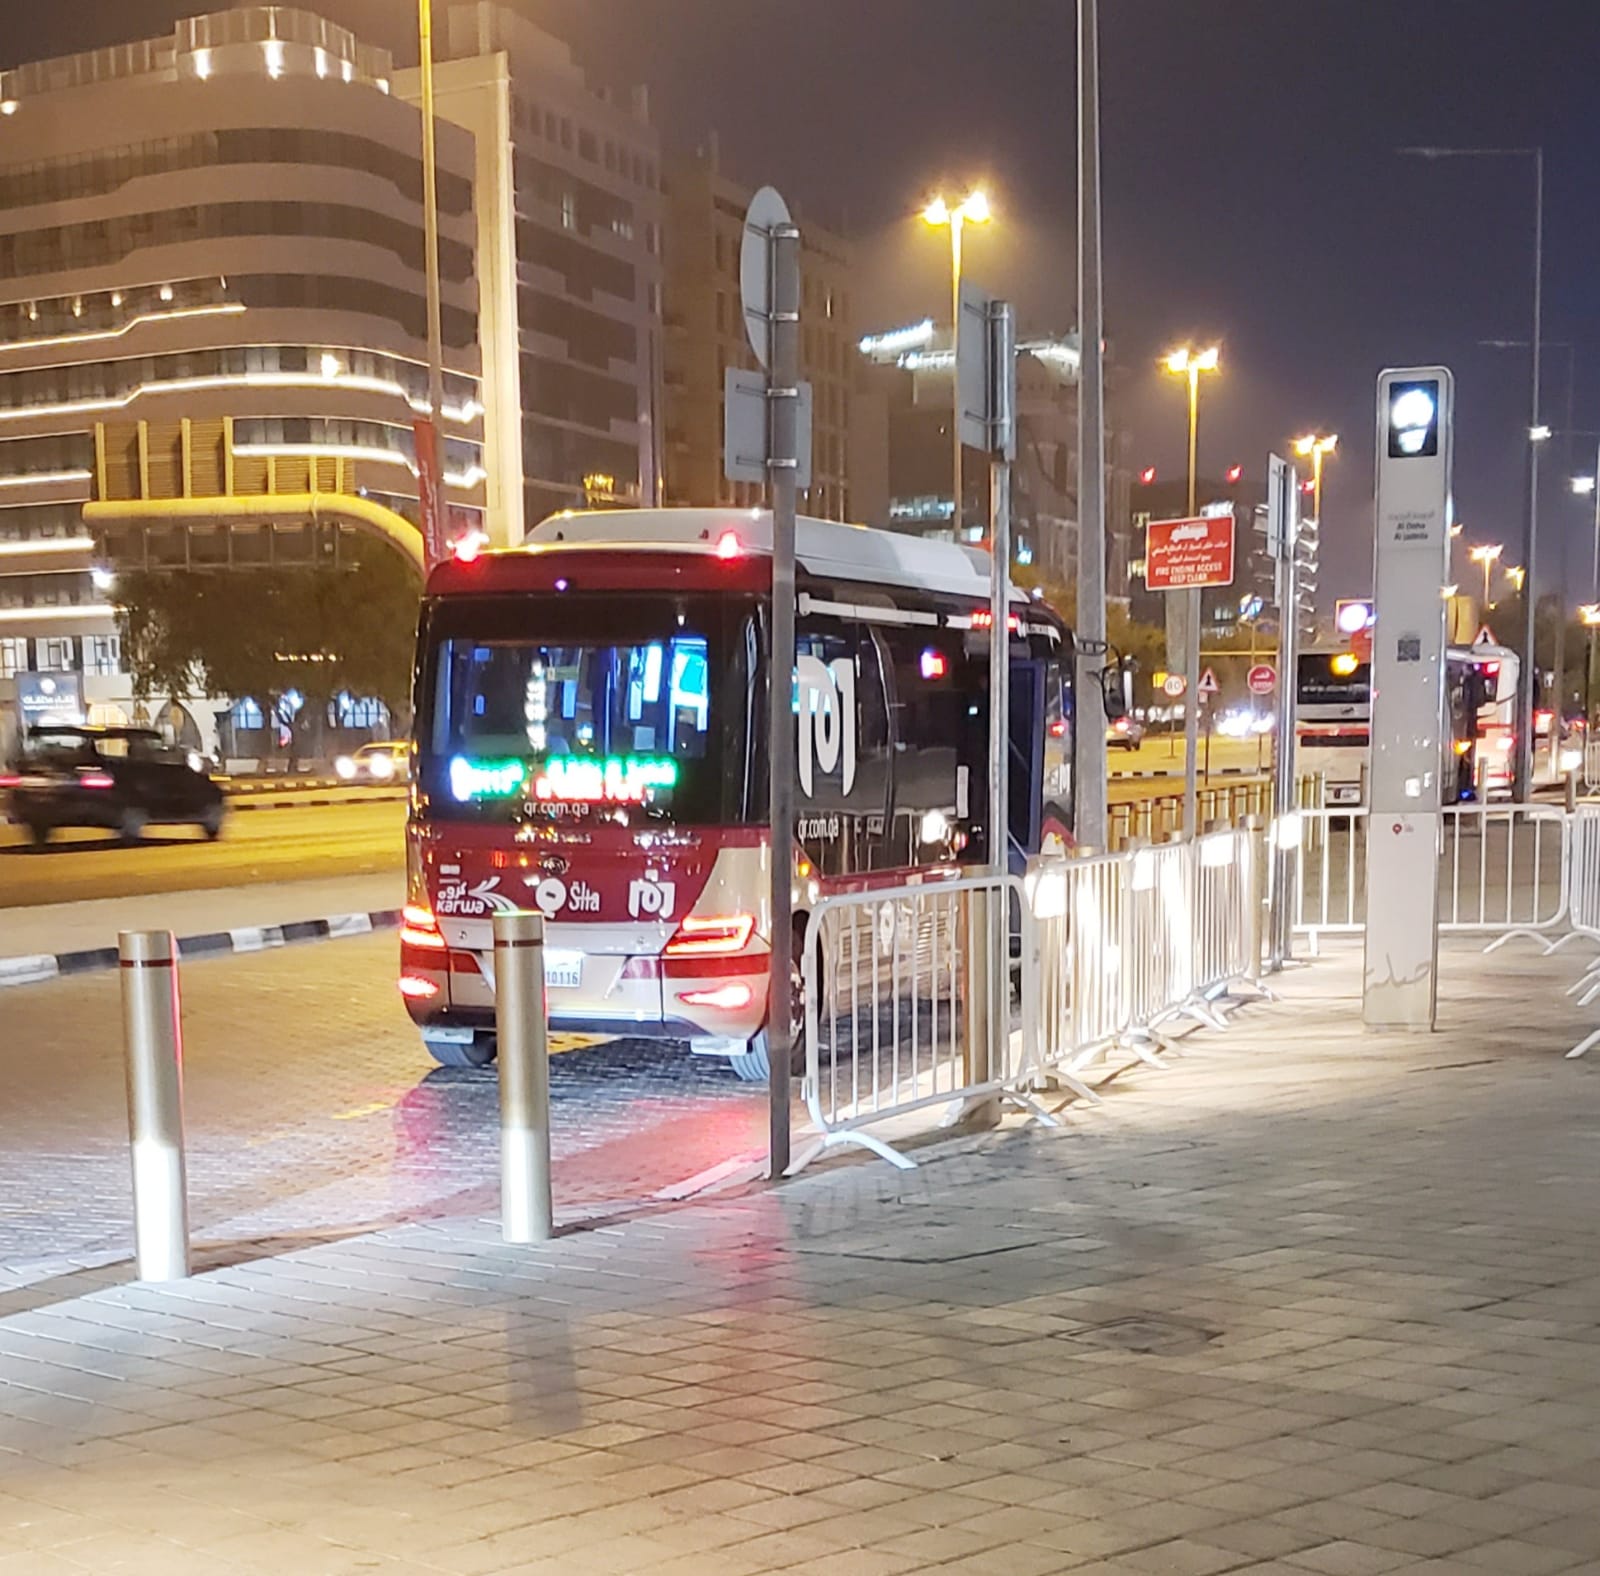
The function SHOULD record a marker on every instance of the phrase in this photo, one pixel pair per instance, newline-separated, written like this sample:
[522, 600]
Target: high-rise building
[211, 284]
[908, 370]
[568, 187]
[706, 336]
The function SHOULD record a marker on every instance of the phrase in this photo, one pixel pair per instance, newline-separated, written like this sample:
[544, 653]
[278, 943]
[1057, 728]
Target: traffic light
[1235, 472]
[1147, 475]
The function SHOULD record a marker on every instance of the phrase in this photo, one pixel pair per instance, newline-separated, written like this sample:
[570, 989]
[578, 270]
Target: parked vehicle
[119, 779]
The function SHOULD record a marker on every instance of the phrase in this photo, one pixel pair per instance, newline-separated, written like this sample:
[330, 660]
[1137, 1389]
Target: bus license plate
[563, 970]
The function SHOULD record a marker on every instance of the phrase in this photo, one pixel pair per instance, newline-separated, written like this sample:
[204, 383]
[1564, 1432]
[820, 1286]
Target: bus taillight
[701, 935]
[418, 928]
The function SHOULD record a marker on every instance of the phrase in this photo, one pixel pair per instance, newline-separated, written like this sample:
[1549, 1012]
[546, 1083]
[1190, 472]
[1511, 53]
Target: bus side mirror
[1112, 694]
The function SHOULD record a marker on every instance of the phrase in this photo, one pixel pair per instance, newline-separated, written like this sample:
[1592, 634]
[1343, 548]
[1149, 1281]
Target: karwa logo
[827, 701]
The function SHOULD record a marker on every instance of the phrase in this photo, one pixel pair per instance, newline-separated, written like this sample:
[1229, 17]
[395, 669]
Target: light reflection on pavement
[311, 1110]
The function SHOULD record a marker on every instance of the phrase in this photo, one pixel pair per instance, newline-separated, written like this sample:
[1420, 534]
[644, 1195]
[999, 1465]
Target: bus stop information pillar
[1416, 411]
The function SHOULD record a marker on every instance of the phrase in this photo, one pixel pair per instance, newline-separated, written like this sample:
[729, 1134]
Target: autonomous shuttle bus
[590, 742]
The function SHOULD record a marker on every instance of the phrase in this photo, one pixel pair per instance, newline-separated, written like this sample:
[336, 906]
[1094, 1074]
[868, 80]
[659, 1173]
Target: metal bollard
[153, 1049]
[526, 1209]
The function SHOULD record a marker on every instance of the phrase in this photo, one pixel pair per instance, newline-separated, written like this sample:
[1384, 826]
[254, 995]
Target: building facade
[569, 246]
[211, 282]
[905, 374]
[705, 336]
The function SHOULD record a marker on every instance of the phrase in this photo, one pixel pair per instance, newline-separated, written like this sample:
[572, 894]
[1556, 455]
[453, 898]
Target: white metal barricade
[1503, 871]
[1583, 894]
[901, 1011]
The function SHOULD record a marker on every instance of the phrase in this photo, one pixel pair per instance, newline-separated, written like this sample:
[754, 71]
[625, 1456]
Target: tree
[1126, 635]
[264, 633]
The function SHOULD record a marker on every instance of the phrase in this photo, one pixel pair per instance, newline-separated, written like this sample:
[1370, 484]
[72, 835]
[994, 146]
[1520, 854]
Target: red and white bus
[590, 742]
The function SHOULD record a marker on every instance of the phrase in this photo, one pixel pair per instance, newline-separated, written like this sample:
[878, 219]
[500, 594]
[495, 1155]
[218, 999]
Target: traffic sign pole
[1183, 556]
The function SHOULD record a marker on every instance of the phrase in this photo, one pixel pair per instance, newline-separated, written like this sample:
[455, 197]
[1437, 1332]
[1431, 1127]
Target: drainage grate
[1147, 1333]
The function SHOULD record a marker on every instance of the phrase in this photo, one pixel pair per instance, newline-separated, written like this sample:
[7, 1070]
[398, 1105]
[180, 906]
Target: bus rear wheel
[754, 1065]
[448, 1051]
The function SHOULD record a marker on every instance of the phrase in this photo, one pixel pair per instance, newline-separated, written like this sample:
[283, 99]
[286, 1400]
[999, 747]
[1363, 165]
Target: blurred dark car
[121, 779]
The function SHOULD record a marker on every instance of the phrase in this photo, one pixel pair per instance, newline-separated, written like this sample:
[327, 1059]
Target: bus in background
[1333, 723]
[1498, 670]
[591, 741]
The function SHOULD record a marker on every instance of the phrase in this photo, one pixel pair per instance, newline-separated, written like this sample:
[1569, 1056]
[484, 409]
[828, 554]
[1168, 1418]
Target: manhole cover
[1150, 1333]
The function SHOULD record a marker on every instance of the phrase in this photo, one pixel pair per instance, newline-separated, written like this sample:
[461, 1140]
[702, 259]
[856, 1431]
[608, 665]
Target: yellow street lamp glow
[1314, 443]
[1186, 360]
[1590, 613]
[972, 209]
[1486, 552]
[1516, 574]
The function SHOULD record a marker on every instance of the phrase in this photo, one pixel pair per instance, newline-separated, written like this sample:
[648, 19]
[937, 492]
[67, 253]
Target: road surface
[256, 845]
[299, 843]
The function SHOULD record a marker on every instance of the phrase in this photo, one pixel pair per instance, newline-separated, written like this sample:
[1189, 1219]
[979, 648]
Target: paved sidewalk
[1312, 1301]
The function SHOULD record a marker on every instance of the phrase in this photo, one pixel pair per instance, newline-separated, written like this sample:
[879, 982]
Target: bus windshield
[574, 707]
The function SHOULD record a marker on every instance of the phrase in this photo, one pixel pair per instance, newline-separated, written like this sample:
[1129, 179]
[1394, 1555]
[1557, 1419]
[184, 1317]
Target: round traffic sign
[1262, 679]
[1174, 685]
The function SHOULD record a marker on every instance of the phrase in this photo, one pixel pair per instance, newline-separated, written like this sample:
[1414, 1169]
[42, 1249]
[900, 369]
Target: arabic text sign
[1183, 554]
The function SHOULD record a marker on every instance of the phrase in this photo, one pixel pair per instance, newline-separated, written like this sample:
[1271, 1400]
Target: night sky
[1251, 189]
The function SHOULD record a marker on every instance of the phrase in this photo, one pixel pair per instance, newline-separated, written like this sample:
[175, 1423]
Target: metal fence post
[526, 1210]
[153, 1049]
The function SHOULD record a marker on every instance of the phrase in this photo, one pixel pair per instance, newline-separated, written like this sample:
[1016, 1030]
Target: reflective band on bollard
[526, 1213]
[153, 1047]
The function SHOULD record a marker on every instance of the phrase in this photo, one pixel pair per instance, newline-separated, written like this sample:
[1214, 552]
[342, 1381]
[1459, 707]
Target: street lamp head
[937, 212]
[1178, 361]
[1590, 613]
[975, 209]
[1516, 574]
[1539, 433]
[1314, 443]
[1583, 485]
[972, 209]
[1207, 360]
[1486, 552]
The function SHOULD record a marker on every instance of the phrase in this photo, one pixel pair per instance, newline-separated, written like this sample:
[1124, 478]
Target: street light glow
[1486, 552]
[972, 209]
[1538, 434]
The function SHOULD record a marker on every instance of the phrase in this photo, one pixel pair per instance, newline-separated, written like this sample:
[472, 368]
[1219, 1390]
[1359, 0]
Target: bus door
[1025, 781]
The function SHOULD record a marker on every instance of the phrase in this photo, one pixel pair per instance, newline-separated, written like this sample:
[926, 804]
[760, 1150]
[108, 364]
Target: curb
[1221, 771]
[235, 806]
[32, 969]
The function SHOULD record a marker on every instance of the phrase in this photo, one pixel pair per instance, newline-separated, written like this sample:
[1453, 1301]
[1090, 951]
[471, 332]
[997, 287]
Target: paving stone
[1389, 1242]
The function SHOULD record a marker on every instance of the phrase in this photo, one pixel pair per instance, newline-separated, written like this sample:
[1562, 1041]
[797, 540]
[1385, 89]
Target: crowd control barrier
[902, 1013]
[1503, 872]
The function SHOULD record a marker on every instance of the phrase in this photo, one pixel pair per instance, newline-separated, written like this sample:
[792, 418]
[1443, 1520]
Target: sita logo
[826, 695]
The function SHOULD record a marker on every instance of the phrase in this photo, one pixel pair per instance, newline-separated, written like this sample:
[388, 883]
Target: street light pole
[430, 213]
[973, 207]
[1523, 759]
[957, 220]
[1186, 363]
[1090, 743]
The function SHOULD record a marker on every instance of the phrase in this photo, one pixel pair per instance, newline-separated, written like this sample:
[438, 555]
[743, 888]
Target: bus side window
[1057, 738]
[841, 820]
[930, 698]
